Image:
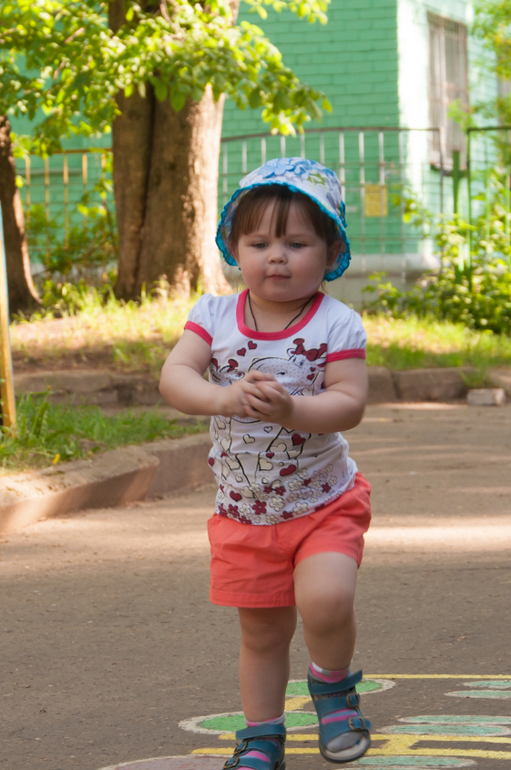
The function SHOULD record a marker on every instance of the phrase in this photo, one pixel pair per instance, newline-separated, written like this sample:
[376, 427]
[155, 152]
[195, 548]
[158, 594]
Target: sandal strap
[332, 730]
[261, 731]
[330, 697]
[317, 687]
[326, 706]
[257, 739]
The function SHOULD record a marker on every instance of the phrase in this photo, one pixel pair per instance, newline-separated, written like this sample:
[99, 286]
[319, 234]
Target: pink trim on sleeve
[342, 354]
[193, 327]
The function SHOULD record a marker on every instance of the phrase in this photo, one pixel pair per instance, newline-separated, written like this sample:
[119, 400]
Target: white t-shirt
[266, 473]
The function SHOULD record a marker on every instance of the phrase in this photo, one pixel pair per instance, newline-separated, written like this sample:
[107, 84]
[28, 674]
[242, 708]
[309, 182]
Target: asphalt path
[108, 641]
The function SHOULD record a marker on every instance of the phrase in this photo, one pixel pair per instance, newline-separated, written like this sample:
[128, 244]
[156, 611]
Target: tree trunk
[178, 236]
[22, 292]
[165, 187]
[131, 142]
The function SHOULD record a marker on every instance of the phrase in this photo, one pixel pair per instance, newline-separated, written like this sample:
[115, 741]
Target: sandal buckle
[357, 727]
[353, 699]
[240, 747]
[231, 762]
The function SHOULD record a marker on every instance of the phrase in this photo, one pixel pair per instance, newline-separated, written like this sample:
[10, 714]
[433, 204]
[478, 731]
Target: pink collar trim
[240, 317]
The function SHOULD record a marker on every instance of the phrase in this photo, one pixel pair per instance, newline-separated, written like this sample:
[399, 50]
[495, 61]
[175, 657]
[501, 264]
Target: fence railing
[378, 168]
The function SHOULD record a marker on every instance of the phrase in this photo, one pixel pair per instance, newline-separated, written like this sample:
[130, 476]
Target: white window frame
[448, 81]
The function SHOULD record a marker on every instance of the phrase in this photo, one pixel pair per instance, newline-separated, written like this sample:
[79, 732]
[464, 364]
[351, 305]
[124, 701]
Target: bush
[473, 284]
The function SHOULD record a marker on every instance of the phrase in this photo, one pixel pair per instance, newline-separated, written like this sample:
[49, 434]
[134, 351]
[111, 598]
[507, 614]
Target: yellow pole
[6, 379]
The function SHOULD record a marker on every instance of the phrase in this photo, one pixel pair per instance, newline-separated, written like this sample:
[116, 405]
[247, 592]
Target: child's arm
[339, 408]
[183, 386]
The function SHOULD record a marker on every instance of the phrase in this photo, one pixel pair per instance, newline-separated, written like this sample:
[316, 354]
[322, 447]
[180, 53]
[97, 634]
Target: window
[448, 81]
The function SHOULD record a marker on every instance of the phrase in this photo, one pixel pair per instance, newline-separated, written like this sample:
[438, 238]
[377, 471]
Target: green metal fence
[378, 167]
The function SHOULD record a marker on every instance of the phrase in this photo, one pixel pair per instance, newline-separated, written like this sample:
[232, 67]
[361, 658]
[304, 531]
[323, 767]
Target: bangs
[252, 205]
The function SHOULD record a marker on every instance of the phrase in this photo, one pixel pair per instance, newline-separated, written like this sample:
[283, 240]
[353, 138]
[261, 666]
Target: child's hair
[253, 203]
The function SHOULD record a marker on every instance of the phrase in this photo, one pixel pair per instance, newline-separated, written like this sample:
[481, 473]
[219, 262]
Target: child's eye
[259, 244]
[297, 245]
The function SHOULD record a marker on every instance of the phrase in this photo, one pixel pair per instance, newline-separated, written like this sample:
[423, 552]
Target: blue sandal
[339, 696]
[268, 740]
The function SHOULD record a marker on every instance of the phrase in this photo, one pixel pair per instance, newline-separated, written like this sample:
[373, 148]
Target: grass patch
[51, 434]
[127, 336]
[417, 343]
[99, 331]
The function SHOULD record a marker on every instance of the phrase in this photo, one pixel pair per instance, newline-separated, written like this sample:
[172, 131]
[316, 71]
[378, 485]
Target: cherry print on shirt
[267, 459]
[311, 355]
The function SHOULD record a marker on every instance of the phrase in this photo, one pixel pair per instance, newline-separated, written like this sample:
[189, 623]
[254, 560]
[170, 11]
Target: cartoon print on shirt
[254, 494]
[290, 371]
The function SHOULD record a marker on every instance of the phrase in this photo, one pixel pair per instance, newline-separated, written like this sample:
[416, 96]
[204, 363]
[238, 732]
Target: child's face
[285, 268]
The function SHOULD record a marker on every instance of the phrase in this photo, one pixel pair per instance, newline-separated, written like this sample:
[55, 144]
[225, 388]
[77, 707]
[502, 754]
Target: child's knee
[327, 610]
[264, 630]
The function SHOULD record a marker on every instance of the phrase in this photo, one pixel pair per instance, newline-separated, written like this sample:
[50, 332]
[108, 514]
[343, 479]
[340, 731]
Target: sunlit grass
[126, 336]
[138, 337]
[48, 434]
[415, 343]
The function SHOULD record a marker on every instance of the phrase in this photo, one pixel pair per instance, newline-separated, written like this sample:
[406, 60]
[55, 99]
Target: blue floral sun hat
[300, 175]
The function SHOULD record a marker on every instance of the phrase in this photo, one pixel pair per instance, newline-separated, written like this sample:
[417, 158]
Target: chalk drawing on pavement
[498, 689]
[297, 695]
[411, 763]
[450, 725]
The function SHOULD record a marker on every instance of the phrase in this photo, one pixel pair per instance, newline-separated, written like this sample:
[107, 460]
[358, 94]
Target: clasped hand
[257, 395]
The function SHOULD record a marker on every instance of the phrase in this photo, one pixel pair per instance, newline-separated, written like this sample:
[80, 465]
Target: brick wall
[353, 59]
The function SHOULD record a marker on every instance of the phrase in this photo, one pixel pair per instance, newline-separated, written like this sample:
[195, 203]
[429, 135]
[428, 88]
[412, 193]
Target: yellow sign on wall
[376, 200]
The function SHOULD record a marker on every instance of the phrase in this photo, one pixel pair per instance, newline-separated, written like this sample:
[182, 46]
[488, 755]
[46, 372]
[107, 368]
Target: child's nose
[278, 253]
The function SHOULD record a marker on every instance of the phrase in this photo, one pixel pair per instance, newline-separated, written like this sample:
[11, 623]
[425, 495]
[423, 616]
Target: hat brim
[224, 228]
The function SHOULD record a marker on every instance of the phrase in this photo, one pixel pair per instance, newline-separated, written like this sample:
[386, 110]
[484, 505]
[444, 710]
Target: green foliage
[77, 65]
[46, 433]
[492, 27]
[86, 247]
[473, 285]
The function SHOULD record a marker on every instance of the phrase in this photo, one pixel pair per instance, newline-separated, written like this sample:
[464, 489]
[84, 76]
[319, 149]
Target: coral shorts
[253, 566]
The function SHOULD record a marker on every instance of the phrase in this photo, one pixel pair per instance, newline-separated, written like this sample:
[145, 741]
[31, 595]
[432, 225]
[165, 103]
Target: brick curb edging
[106, 480]
[105, 388]
[174, 465]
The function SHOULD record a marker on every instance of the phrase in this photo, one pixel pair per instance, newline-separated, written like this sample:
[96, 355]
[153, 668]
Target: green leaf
[177, 100]
[255, 99]
[160, 90]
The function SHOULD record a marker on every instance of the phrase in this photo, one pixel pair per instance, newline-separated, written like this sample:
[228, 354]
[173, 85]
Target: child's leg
[325, 592]
[266, 634]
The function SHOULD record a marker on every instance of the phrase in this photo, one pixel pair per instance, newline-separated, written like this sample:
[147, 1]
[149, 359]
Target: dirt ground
[108, 639]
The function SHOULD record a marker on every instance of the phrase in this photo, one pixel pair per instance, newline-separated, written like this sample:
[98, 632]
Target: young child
[286, 376]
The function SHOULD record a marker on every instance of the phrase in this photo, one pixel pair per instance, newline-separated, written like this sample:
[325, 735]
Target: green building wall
[353, 59]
